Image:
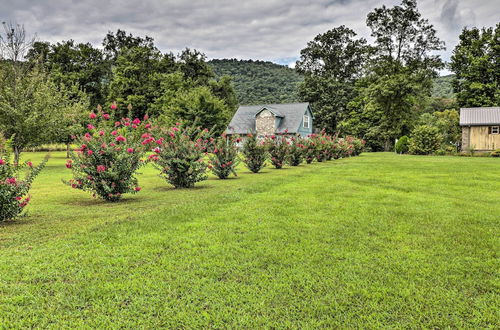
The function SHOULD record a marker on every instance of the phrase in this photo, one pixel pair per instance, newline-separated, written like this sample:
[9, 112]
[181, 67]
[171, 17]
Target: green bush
[254, 153]
[495, 153]
[278, 149]
[13, 190]
[425, 140]
[224, 156]
[403, 145]
[108, 156]
[180, 153]
[296, 151]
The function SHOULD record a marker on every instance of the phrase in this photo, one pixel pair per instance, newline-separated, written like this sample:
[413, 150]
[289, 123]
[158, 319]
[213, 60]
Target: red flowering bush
[13, 190]
[179, 155]
[322, 146]
[224, 156]
[277, 147]
[109, 155]
[255, 154]
[358, 145]
[296, 149]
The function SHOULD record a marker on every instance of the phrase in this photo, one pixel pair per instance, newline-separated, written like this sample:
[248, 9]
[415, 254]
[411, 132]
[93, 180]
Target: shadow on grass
[172, 188]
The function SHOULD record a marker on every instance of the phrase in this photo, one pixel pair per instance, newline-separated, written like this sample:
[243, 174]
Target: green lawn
[375, 240]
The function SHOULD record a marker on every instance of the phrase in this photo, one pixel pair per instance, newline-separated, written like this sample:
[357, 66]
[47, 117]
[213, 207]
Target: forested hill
[443, 88]
[258, 82]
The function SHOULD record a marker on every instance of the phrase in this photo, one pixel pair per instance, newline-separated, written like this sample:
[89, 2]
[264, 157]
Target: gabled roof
[480, 116]
[243, 121]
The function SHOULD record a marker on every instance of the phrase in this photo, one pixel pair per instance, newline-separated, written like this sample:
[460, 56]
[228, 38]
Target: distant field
[371, 241]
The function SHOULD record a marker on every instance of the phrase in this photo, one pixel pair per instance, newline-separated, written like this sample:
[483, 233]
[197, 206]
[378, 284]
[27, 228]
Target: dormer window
[306, 121]
[495, 130]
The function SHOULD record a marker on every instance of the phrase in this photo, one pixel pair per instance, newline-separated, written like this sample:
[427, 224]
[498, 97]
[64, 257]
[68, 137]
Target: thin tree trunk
[67, 150]
[17, 154]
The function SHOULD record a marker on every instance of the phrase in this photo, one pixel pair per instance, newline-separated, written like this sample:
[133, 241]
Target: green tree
[331, 63]
[476, 64]
[74, 64]
[34, 110]
[399, 75]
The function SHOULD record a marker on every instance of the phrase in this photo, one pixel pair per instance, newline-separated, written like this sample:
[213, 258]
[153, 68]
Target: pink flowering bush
[224, 156]
[179, 155]
[254, 152]
[310, 149]
[296, 149]
[109, 155]
[13, 190]
[277, 147]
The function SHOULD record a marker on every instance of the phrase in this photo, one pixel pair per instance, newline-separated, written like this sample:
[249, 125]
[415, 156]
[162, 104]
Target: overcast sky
[274, 30]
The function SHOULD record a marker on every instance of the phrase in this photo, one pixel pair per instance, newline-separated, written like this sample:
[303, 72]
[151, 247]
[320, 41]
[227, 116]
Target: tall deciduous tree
[331, 63]
[476, 64]
[400, 72]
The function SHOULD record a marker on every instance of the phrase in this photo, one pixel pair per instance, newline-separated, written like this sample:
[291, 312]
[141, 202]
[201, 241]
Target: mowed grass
[379, 240]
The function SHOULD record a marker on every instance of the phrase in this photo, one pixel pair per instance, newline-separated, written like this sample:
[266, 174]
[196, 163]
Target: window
[306, 121]
[495, 130]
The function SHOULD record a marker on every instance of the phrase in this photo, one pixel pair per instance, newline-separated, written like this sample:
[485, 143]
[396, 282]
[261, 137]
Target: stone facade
[265, 123]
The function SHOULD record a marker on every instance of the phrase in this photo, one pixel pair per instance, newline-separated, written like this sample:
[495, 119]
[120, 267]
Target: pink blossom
[106, 116]
[101, 133]
[69, 163]
[18, 198]
[89, 152]
[121, 139]
[148, 126]
[136, 121]
[2, 162]
[92, 115]
[114, 133]
[90, 126]
[175, 129]
[101, 168]
[117, 123]
[130, 150]
[134, 126]
[137, 188]
[113, 106]
[126, 123]
[30, 164]
[11, 181]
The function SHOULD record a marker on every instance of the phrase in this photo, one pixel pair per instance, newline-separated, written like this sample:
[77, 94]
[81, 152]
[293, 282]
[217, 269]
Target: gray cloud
[273, 30]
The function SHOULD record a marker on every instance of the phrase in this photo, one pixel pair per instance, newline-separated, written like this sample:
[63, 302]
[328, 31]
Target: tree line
[378, 91]
[47, 87]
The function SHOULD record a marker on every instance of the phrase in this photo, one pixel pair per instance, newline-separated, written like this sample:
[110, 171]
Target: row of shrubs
[108, 156]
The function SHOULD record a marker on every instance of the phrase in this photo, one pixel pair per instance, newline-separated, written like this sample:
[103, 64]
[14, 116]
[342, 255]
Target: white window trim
[305, 121]
[497, 129]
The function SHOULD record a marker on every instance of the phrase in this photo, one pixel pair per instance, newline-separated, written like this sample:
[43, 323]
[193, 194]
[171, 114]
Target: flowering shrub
[296, 151]
[179, 155]
[14, 191]
[224, 156]
[109, 155]
[277, 147]
[357, 145]
[322, 146]
[310, 149]
[254, 153]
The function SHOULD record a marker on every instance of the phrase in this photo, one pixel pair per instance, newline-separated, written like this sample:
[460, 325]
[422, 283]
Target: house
[270, 119]
[480, 128]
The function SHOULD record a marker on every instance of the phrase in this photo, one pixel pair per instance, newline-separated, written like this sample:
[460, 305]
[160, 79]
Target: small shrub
[224, 156]
[403, 145]
[322, 147]
[277, 148]
[179, 155]
[425, 140]
[13, 190]
[254, 153]
[495, 153]
[295, 151]
[109, 155]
